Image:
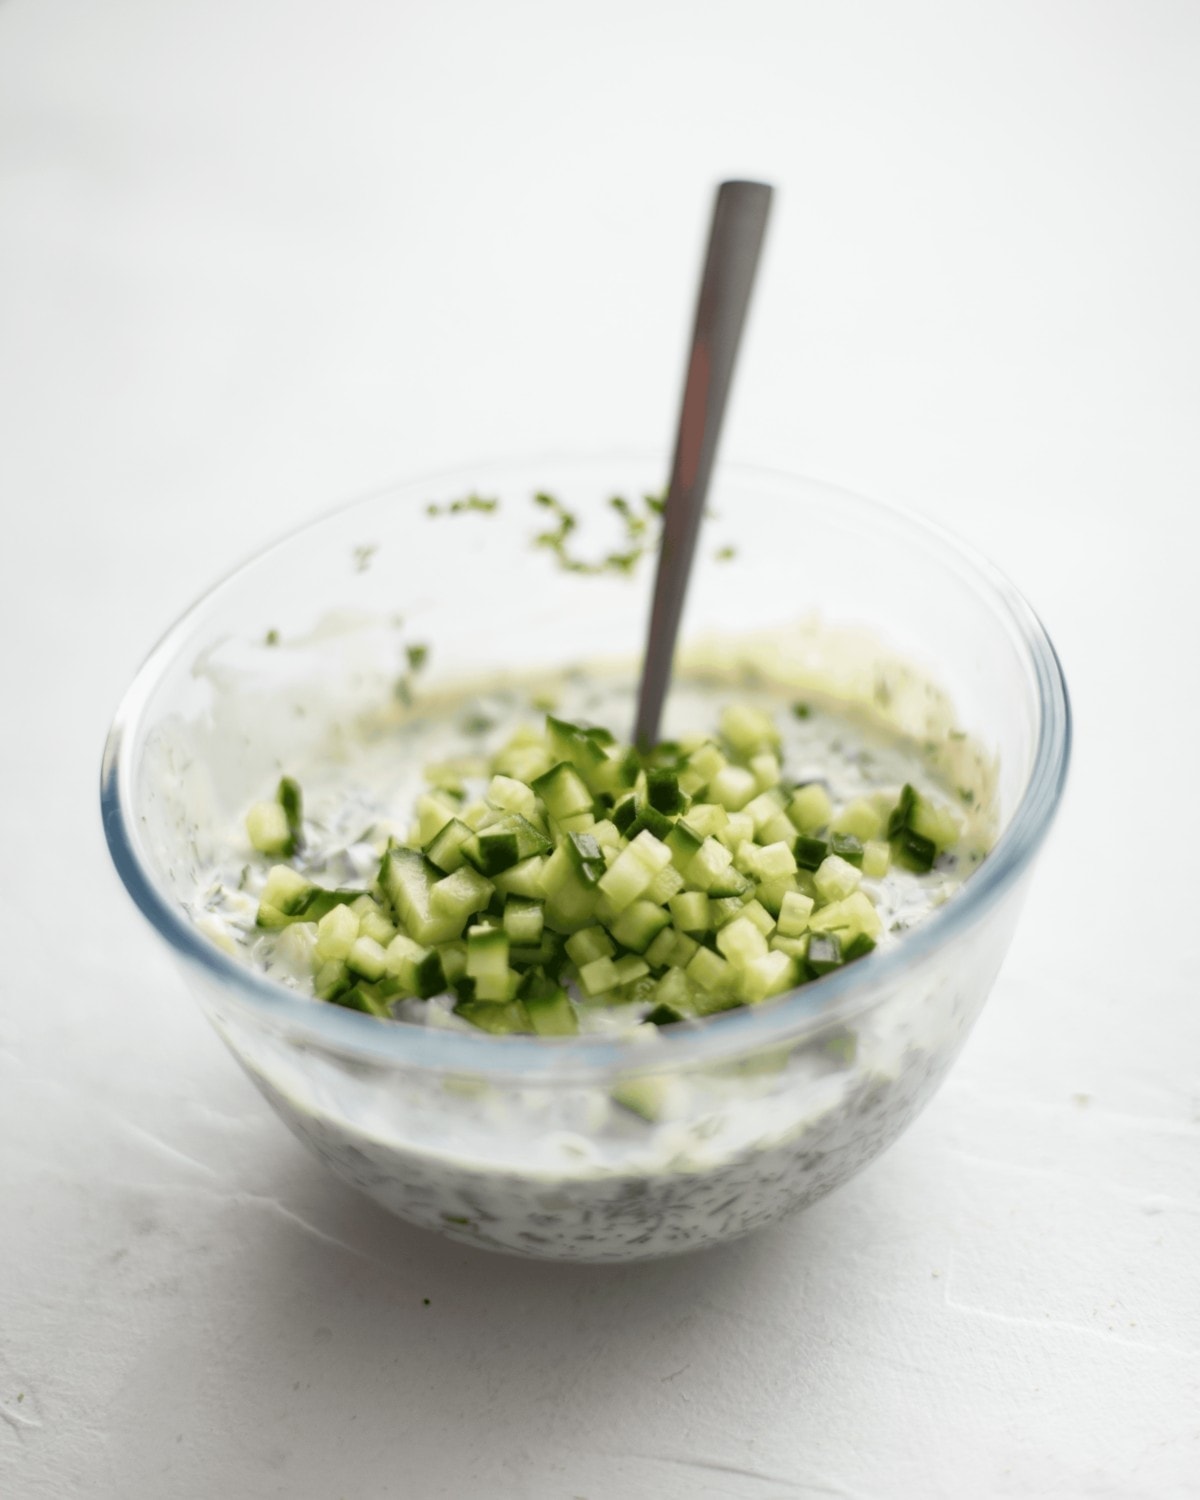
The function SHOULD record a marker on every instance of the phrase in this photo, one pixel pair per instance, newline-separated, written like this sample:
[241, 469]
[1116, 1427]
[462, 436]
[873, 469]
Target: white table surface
[258, 256]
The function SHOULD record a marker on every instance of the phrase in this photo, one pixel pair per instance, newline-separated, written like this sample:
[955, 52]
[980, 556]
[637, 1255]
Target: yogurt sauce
[564, 1170]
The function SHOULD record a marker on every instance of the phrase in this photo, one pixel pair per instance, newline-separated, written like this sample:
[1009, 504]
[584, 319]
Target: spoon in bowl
[735, 241]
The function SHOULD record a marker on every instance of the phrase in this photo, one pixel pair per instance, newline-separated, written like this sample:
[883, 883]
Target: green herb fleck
[801, 710]
[272, 638]
[417, 657]
[402, 691]
[477, 723]
[725, 554]
[482, 504]
[566, 522]
[363, 556]
[425, 1301]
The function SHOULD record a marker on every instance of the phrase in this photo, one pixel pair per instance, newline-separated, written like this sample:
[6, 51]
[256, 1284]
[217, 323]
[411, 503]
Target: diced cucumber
[658, 955]
[367, 958]
[639, 924]
[445, 849]
[331, 979]
[459, 896]
[684, 951]
[765, 769]
[738, 830]
[877, 858]
[794, 914]
[407, 879]
[419, 969]
[708, 819]
[684, 843]
[667, 883]
[756, 912]
[523, 920]
[552, 1014]
[510, 795]
[761, 809]
[913, 850]
[732, 788]
[730, 882]
[505, 843]
[501, 1020]
[835, 878]
[599, 976]
[708, 864]
[673, 990]
[723, 910]
[770, 974]
[269, 830]
[794, 947]
[523, 879]
[847, 846]
[487, 963]
[811, 853]
[748, 731]
[772, 893]
[824, 952]
[570, 903]
[775, 861]
[664, 793]
[645, 1097]
[634, 869]
[630, 969]
[859, 818]
[710, 971]
[690, 911]
[434, 811]
[810, 808]
[589, 944]
[563, 791]
[371, 921]
[585, 855]
[701, 766]
[336, 934]
[740, 941]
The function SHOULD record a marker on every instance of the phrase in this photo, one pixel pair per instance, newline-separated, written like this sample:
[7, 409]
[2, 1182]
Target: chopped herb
[619, 561]
[363, 556]
[272, 638]
[725, 554]
[472, 502]
[402, 691]
[417, 657]
[801, 710]
[477, 723]
[425, 1301]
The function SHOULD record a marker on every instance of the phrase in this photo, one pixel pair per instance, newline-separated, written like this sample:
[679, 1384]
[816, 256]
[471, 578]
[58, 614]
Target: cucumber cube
[810, 809]
[794, 914]
[835, 878]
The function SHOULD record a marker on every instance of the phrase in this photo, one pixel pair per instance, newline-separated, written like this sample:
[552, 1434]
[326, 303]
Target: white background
[258, 256]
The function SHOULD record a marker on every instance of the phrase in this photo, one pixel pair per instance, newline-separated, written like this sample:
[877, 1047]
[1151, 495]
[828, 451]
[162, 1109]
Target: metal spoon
[735, 240]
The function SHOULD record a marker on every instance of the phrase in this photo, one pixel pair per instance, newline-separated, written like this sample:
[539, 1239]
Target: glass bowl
[517, 1143]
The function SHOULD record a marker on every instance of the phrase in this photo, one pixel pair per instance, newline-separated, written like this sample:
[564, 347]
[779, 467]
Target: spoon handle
[735, 240]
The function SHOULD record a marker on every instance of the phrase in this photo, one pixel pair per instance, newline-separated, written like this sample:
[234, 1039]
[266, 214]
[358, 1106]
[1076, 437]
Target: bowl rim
[835, 998]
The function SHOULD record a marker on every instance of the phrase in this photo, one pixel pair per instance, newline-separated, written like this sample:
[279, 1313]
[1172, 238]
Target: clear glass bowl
[515, 1143]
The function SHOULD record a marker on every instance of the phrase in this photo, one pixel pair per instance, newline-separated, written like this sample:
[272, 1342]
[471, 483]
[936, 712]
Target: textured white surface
[258, 256]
